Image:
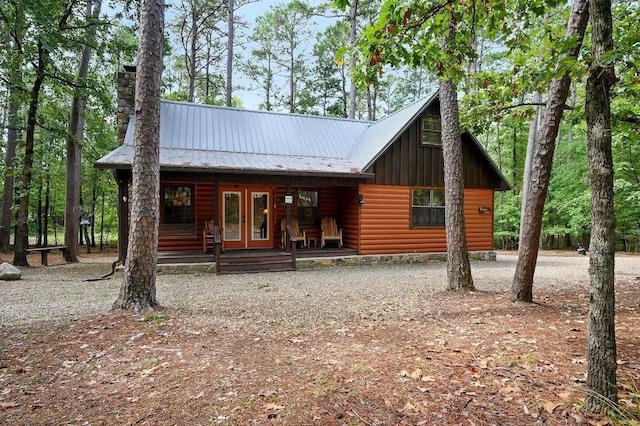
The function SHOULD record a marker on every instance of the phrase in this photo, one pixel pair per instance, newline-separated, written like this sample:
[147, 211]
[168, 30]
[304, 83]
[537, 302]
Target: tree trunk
[531, 145]
[10, 155]
[47, 207]
[269, 84]
[601, 336]
[230, 55]
[39, 218]
[522, 286]
[353, 14]
[458, 266]
[138, 290]
[94, 198]
[74, 144]
[292, 83]
[372, 101]
[191, 64]
[22, 227]
[102, 222]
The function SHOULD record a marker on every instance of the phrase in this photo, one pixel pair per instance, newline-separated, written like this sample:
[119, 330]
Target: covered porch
[251, 212]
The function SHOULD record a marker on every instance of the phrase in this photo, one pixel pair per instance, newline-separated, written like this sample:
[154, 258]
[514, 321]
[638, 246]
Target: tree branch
[508, 107]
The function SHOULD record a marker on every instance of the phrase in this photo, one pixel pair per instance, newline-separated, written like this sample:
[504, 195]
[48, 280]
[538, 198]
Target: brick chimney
[126, 99]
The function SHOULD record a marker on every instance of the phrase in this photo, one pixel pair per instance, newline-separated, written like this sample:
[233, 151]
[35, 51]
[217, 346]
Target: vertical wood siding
[407, 162]
[386, 218]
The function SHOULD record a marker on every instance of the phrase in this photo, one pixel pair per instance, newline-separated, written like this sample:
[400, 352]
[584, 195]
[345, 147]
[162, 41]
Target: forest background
[293, 57]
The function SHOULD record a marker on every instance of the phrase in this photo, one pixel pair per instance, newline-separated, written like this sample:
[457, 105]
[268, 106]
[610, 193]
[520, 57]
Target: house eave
[212, 170]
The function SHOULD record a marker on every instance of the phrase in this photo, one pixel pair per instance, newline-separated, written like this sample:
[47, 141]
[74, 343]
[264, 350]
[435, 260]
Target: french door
[247, 217]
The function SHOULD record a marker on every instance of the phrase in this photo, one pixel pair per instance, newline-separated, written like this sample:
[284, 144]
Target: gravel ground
[58, 292]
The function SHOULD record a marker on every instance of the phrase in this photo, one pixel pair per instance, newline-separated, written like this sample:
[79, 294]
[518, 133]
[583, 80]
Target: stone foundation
[330, 262]
[385, 259]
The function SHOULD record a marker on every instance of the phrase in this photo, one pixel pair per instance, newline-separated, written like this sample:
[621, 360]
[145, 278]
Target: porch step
[168, 258]
[253, 264]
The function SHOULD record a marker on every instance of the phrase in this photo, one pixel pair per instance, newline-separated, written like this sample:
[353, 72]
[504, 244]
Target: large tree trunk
[74, 144]
[458, 266]
[601, 335]
[522, 287]
[138, 290]
[7, 190]
[10, 154]
[230, 36]
[531, 145]
[22, 228]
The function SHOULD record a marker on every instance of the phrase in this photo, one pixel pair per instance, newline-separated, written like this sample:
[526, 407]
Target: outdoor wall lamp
[360, 199]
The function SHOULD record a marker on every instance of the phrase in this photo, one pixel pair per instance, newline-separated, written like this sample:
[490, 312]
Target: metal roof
[382, 134]
[203, 136]
[227, 140]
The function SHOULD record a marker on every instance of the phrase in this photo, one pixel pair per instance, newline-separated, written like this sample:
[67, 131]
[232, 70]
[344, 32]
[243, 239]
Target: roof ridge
[419, 100]
[256, 111]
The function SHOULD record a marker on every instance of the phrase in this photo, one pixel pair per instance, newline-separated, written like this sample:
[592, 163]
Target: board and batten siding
[385, 222]
[408, 162]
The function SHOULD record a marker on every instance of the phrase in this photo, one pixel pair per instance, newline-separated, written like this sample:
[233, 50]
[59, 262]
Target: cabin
[378, 185]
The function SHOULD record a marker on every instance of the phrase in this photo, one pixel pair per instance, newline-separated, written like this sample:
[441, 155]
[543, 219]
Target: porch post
[287, 207]
[123, 214]
[216, 204]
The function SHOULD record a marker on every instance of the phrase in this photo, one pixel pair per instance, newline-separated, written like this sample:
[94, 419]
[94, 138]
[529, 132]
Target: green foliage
[60, 26]
[329, 81]
[157, 317]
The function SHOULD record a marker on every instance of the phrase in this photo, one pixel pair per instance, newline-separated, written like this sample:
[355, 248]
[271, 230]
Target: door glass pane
[232, 216]
[260, 228]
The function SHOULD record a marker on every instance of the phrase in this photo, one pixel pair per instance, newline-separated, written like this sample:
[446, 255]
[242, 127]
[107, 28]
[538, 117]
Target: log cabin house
[251, 172]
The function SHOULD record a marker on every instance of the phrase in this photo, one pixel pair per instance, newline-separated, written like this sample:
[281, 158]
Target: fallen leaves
[270, 406]
[549, 406]
[483, 361]
[7, 405]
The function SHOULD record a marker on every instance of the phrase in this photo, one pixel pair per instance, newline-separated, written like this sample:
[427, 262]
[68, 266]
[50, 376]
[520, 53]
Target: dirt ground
[461, 359]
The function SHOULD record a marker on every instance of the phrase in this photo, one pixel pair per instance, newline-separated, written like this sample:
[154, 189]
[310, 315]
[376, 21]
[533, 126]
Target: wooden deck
[176, 257]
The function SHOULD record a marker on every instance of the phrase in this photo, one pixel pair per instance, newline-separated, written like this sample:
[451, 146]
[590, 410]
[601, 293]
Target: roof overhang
[200, 161]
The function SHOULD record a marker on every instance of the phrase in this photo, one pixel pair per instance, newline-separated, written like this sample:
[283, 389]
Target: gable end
[408, 162]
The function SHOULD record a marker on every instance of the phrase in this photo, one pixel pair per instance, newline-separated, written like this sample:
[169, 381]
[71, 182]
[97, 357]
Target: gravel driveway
[57, 292]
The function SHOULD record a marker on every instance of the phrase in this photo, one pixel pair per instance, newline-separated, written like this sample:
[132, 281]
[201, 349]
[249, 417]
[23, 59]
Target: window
[431, 131]
[307, 207]
[427, 208]
[178, 204]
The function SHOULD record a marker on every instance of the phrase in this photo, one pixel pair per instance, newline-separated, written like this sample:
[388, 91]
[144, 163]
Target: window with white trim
[427, 208]
[431, 131]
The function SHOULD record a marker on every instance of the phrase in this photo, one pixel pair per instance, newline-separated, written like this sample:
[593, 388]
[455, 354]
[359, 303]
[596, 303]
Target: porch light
[360, 199]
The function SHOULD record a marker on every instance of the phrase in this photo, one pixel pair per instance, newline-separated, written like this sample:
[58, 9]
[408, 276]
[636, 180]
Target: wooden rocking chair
[301, 236]
[330, 232]
[207, 236]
